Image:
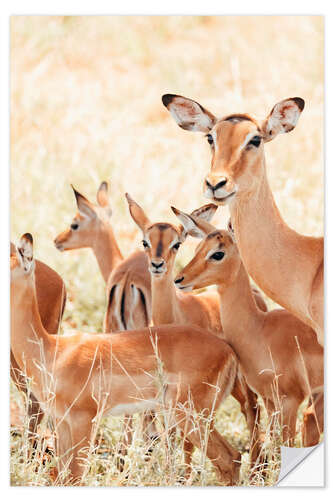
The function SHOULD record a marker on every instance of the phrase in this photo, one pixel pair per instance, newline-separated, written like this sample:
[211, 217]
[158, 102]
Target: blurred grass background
[86, 107]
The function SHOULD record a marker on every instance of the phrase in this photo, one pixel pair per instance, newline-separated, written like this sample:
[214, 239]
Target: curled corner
[291, 458]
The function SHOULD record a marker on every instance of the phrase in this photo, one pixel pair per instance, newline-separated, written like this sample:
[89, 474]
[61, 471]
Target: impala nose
[157, 265]
[220, 184]
[179, 280]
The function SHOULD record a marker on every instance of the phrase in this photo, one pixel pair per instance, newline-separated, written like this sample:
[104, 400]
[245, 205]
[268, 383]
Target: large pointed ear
[194, 226]
[84, 206]
[188, 114]
[205, 213]
[283, 118]
[25, 252]
[103, 197]
[137, 214]
[103, 194]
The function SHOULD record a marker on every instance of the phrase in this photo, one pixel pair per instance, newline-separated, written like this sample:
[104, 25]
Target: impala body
[83, 376]
[279, 354]
[288, 266]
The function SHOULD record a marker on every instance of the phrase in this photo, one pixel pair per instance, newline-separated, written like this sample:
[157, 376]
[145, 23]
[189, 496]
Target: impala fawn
[128, 280]
[93, 374]
[279, 355]
[128, 288]
[51, 299]
[288, 267]
[171, 306]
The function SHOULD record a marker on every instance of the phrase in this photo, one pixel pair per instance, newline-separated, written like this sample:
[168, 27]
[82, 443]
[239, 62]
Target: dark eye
[255, 141]
[217, 256]
[176, 246]
[145, 244]
[210, 139]
[74, 226]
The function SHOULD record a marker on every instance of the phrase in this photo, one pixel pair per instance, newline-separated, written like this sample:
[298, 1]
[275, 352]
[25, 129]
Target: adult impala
[128, 280]
[279, 354]
[171, 306]
[288, 266]
[83, 376]
[51, 298]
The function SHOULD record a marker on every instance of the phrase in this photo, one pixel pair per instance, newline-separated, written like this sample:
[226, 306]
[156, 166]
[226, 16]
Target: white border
[142, 7]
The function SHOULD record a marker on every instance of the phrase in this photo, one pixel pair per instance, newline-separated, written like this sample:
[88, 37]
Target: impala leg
[313, 420]
[35, 412]
[150, 431]
[248, 401]
[73, 440]
[126, 440]
[289, 417]
[225, 459]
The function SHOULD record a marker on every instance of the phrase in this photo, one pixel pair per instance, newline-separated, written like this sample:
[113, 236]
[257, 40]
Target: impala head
[236, 142]
[86, 222]
[161, 241]
[216, 259]
[22, 264]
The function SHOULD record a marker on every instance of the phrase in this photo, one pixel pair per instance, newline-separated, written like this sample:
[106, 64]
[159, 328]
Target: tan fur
[286, 265]
[272, 347]
[100, 372]
[171, 306]
[51, 299]
[95, 231]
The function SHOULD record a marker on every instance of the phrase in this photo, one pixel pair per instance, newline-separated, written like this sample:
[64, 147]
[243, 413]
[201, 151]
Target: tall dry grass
[86, 106]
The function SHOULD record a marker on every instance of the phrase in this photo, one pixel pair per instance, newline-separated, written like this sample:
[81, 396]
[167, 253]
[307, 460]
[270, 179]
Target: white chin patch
[208, 193]
[186, 288]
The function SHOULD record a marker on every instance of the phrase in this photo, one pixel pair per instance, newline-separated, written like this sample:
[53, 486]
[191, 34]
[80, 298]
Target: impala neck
[239, 313]
[265, 242]
[106, 250]
[29, 340]
[164, 299]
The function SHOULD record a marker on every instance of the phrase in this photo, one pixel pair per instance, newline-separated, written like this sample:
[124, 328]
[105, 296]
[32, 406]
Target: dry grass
[86, 106]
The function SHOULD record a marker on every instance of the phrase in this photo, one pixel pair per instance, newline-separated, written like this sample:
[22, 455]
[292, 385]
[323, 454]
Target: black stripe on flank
[113, 289]
[143, 300]
[122, 310]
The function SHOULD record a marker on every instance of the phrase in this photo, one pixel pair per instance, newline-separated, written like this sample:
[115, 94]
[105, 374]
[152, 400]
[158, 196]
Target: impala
[128, 280]
[93, 374]
[279, 354]
[171, 306]
[51, 299]
[287, 266]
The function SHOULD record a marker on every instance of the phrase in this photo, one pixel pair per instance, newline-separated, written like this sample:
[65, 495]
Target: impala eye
[217, 256]
[145, 244]
[74, 226]
[255, 141]
[176, 246]
[210, 139]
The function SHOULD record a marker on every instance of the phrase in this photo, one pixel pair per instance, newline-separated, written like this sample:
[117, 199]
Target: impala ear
[283, 118]
[194, 226]
[25, 252]
[84, 206]
[206, 212]
[137, 214]
[189, 114]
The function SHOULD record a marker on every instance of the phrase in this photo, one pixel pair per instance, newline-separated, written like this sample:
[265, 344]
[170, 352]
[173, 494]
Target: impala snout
[157, 267]
[179, 282]
[219, 189]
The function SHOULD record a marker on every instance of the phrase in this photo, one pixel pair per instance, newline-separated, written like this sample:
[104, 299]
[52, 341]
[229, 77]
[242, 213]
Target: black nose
[157, 266]
[222, 182]
[179, 280]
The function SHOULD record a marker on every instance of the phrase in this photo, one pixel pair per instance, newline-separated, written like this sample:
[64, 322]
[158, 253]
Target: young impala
[128, 280]
[279, 355]
[94, 374]
[288, 266]
[51, 299]
[128, 287]
[170, 306]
